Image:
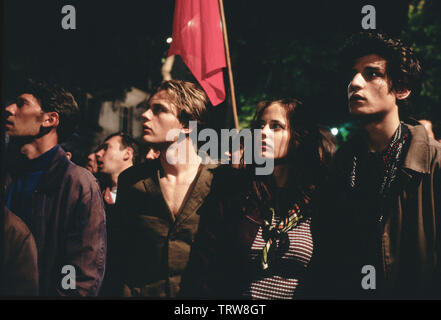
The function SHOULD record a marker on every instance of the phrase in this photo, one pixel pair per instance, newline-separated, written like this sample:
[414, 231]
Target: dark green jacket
[151, 247]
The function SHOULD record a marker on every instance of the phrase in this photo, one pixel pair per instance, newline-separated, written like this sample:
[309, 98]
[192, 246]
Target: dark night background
[278, 48]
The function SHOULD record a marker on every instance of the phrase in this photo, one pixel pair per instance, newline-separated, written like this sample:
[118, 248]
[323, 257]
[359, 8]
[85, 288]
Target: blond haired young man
[158, 201]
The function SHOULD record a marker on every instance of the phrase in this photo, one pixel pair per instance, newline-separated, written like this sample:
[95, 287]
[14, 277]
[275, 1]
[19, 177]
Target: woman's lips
[266, 146]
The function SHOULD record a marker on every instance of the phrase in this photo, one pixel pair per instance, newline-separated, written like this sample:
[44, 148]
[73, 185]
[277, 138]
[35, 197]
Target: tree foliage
[424, 33]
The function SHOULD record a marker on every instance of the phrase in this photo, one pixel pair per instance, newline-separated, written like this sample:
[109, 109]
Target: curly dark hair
[402, 66]
[56, 99]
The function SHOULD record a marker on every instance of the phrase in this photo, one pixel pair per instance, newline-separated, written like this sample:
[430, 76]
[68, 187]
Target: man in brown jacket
[158, 202]
[59, 201]
[378, 232]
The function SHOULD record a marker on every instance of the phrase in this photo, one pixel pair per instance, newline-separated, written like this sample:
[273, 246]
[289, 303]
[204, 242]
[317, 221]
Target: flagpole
[230, 72]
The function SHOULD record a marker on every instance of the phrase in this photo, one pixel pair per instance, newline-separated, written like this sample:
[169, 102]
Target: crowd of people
[167, 224]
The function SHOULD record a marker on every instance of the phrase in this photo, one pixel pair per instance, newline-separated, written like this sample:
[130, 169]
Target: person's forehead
[275, 109]
[274, 112]
[371, 60]
[29, 98]
[113, 140]
[163, 98]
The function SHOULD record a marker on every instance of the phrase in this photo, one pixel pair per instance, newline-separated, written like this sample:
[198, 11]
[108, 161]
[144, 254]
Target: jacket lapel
[196, 195]
[418, 155]
[417, 160]
[151, 186]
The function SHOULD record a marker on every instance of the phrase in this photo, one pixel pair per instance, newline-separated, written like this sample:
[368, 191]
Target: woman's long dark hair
[311, 146]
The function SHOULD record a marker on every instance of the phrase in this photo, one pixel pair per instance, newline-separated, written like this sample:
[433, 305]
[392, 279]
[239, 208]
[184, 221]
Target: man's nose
[99, 154]
[147, 115]
[10, 110]
[356, 82]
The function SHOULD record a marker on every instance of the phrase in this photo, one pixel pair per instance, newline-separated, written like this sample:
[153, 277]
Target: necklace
[391, 160]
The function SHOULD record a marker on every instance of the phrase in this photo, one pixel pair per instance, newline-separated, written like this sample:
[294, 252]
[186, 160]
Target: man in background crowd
[91, 163]
[118, 152]
[73, 148]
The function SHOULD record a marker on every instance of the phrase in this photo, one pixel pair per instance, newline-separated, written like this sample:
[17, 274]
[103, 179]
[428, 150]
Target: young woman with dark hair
[254, 240]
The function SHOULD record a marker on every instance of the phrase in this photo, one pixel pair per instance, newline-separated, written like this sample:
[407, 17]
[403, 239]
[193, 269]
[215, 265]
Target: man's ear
[402, 94]
[128, 154]
[51, 119]
[192, 125]
[186, 131]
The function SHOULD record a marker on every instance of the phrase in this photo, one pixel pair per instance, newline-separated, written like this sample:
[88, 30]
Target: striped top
[277, 284]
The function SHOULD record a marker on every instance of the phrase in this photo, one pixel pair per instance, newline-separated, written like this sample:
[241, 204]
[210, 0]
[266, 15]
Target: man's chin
[147, 138]
[359, 111]
[356, 113]
[9, 130]
[155, 143]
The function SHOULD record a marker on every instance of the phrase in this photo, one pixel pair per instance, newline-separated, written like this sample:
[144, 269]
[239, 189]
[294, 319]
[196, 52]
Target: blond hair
[188, 98]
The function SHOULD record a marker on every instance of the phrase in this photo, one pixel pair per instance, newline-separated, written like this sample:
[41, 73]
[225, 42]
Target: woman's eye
[276, 126]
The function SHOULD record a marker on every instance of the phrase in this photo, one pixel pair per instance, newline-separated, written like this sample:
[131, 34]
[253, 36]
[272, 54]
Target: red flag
[197, 38]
